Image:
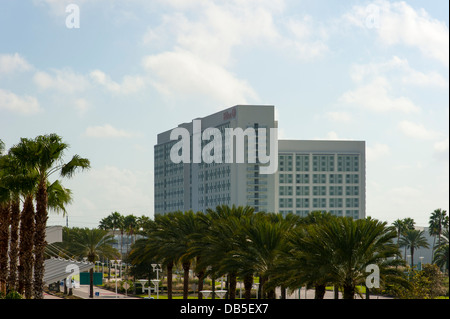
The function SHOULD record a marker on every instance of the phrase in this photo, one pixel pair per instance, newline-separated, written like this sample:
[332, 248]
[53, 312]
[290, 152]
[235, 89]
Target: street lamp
[157, 268]
[115, 263]
[143, 281]
[421, 262]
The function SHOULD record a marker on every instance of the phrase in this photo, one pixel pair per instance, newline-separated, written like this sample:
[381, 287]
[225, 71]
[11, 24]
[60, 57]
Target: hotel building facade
[312, 175]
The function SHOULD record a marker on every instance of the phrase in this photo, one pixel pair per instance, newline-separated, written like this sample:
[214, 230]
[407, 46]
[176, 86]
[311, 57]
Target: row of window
[337, 212]
[318, 190]
[318, 163]
[286, 178]
[318, 202]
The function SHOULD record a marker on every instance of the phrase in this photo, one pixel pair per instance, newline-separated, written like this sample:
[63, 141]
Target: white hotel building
[312, 175]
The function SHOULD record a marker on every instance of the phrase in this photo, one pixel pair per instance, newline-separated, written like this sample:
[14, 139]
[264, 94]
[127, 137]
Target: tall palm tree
[340, 249]
[44, 154]
[441, 251]
[223, 240]
[265, 238]
[184, 225]
[91, 243]
[114, 222]
[5, 213]
[438, 221]
[20, 180]
[130, 223]
[15, 181]
[413, 239]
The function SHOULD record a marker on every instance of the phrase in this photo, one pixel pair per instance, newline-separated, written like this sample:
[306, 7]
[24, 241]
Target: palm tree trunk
[186, 267]
[349, 291]
[248, 283]
[201, 277]
[4, 243]
[169, 279]
[14, 243]
[26, 258]
[233, 282]
[39, 239]
[91, 283]
[319, 291]
[412, 256]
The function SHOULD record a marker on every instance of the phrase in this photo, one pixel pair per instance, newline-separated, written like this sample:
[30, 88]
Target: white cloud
[417, 131]
[377, 151]
[127, 191]
[81, 105]
[333, 136]
[10, 63]
[339, 116]
[399, 23]
[199, 60]
[64, 80]
[442, 146]
[308, 41]
[403, 71]
[26, 105]
[375, 97]
[182, 73]
[130, 84]
[107, 131]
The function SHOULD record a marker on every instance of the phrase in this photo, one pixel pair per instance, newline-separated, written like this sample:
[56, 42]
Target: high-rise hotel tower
[309, 175]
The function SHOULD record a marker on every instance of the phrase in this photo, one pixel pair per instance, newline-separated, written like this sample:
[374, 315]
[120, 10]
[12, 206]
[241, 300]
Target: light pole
[157, 268]
[421, 262]
[116, 263]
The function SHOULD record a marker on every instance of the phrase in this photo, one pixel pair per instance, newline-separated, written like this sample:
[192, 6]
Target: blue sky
[361, 70]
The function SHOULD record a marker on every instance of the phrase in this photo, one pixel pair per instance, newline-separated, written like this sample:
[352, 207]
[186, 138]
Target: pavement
[83, 292]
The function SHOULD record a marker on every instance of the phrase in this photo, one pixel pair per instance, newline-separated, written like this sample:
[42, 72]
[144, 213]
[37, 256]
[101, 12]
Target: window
[285, 178]
[302, 190]
[302, 163]
[335, 178]
[285, 190]
[302, 203]
[335, 190]
[302, 178]
[319, 178]
[351, 178]
[319, 190]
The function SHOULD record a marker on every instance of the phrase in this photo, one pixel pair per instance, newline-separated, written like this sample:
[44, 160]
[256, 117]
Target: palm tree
[222, 241]
[114, 221]
[265, 237]
[438, 221]
[15, 181]
[441, 252]
[91, 243]
[338, 250]
[44, 155]
[184, 224]
[413, 239]
[130, 224]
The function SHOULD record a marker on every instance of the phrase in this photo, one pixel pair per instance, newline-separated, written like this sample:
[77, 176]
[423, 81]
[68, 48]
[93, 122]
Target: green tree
[340, 249]
[91, 243]
[440, 256]
[413, 239]
[437, 223]
[44, 155]
[223, 240]
[114, 222]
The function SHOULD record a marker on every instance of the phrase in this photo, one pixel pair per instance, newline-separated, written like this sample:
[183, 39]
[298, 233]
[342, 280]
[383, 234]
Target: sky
[109, 75]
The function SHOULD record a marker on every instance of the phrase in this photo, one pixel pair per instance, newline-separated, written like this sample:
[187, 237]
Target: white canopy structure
[57, 269]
